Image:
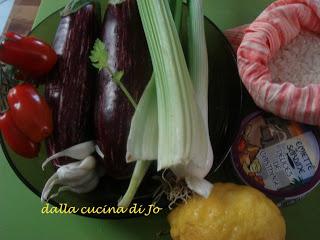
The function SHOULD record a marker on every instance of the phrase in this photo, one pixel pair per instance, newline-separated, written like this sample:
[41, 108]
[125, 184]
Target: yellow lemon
[232, 212]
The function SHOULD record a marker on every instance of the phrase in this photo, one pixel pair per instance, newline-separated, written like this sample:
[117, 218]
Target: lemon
[232, 212]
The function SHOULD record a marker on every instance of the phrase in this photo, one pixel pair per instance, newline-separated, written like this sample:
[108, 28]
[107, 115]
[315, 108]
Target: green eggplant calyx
[74, 5]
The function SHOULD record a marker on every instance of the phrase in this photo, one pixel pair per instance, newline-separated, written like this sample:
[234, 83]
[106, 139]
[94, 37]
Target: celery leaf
[99, 55]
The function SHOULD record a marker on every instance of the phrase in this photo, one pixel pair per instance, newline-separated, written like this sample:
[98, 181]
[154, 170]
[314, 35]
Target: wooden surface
[22, 16]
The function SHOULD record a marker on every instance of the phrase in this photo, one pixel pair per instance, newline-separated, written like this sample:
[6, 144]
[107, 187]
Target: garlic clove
[80, 177]
[78, 152]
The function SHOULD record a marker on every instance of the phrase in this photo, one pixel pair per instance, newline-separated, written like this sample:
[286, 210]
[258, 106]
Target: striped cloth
[275, 27]
[235, 36]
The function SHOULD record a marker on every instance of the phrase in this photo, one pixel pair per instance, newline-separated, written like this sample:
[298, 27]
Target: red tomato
[16, 140]
[30, 55]
[30, 112]
[12, 35]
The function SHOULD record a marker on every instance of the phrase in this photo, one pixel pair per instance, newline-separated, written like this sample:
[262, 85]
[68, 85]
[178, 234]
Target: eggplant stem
[74, 6]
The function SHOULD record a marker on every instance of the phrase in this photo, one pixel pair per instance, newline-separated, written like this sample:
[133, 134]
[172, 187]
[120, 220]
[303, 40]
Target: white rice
[298, 62]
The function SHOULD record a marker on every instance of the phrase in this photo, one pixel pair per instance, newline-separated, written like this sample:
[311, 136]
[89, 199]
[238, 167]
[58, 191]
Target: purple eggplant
[71, 84]
[125, 41]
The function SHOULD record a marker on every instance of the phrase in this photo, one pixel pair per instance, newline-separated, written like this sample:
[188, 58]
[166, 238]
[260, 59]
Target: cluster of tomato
[28, 119]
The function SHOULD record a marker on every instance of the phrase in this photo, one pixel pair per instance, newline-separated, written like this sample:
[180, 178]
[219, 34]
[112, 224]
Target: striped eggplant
[125, 41]
[70, 87]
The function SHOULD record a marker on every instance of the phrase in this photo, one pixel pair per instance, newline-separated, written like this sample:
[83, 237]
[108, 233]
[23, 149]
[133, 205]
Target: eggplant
[124, 38]
[70, 86]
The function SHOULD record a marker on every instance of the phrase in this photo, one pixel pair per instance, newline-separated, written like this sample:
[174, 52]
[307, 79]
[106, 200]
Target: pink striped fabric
[276, 26]
[235, 35]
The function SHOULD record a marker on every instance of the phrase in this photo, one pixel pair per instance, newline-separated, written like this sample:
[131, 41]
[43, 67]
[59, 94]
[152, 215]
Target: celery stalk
[198, 55]
[139, 172]
[177, 10]
[142, 143]
[182, 133]
[198, 68]
[143, 136]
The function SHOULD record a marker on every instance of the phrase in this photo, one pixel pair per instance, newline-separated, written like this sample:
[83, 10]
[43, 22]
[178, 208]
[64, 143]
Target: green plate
[224, 120]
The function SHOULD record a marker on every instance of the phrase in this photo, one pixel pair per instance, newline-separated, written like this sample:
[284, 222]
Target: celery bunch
[170, 124]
